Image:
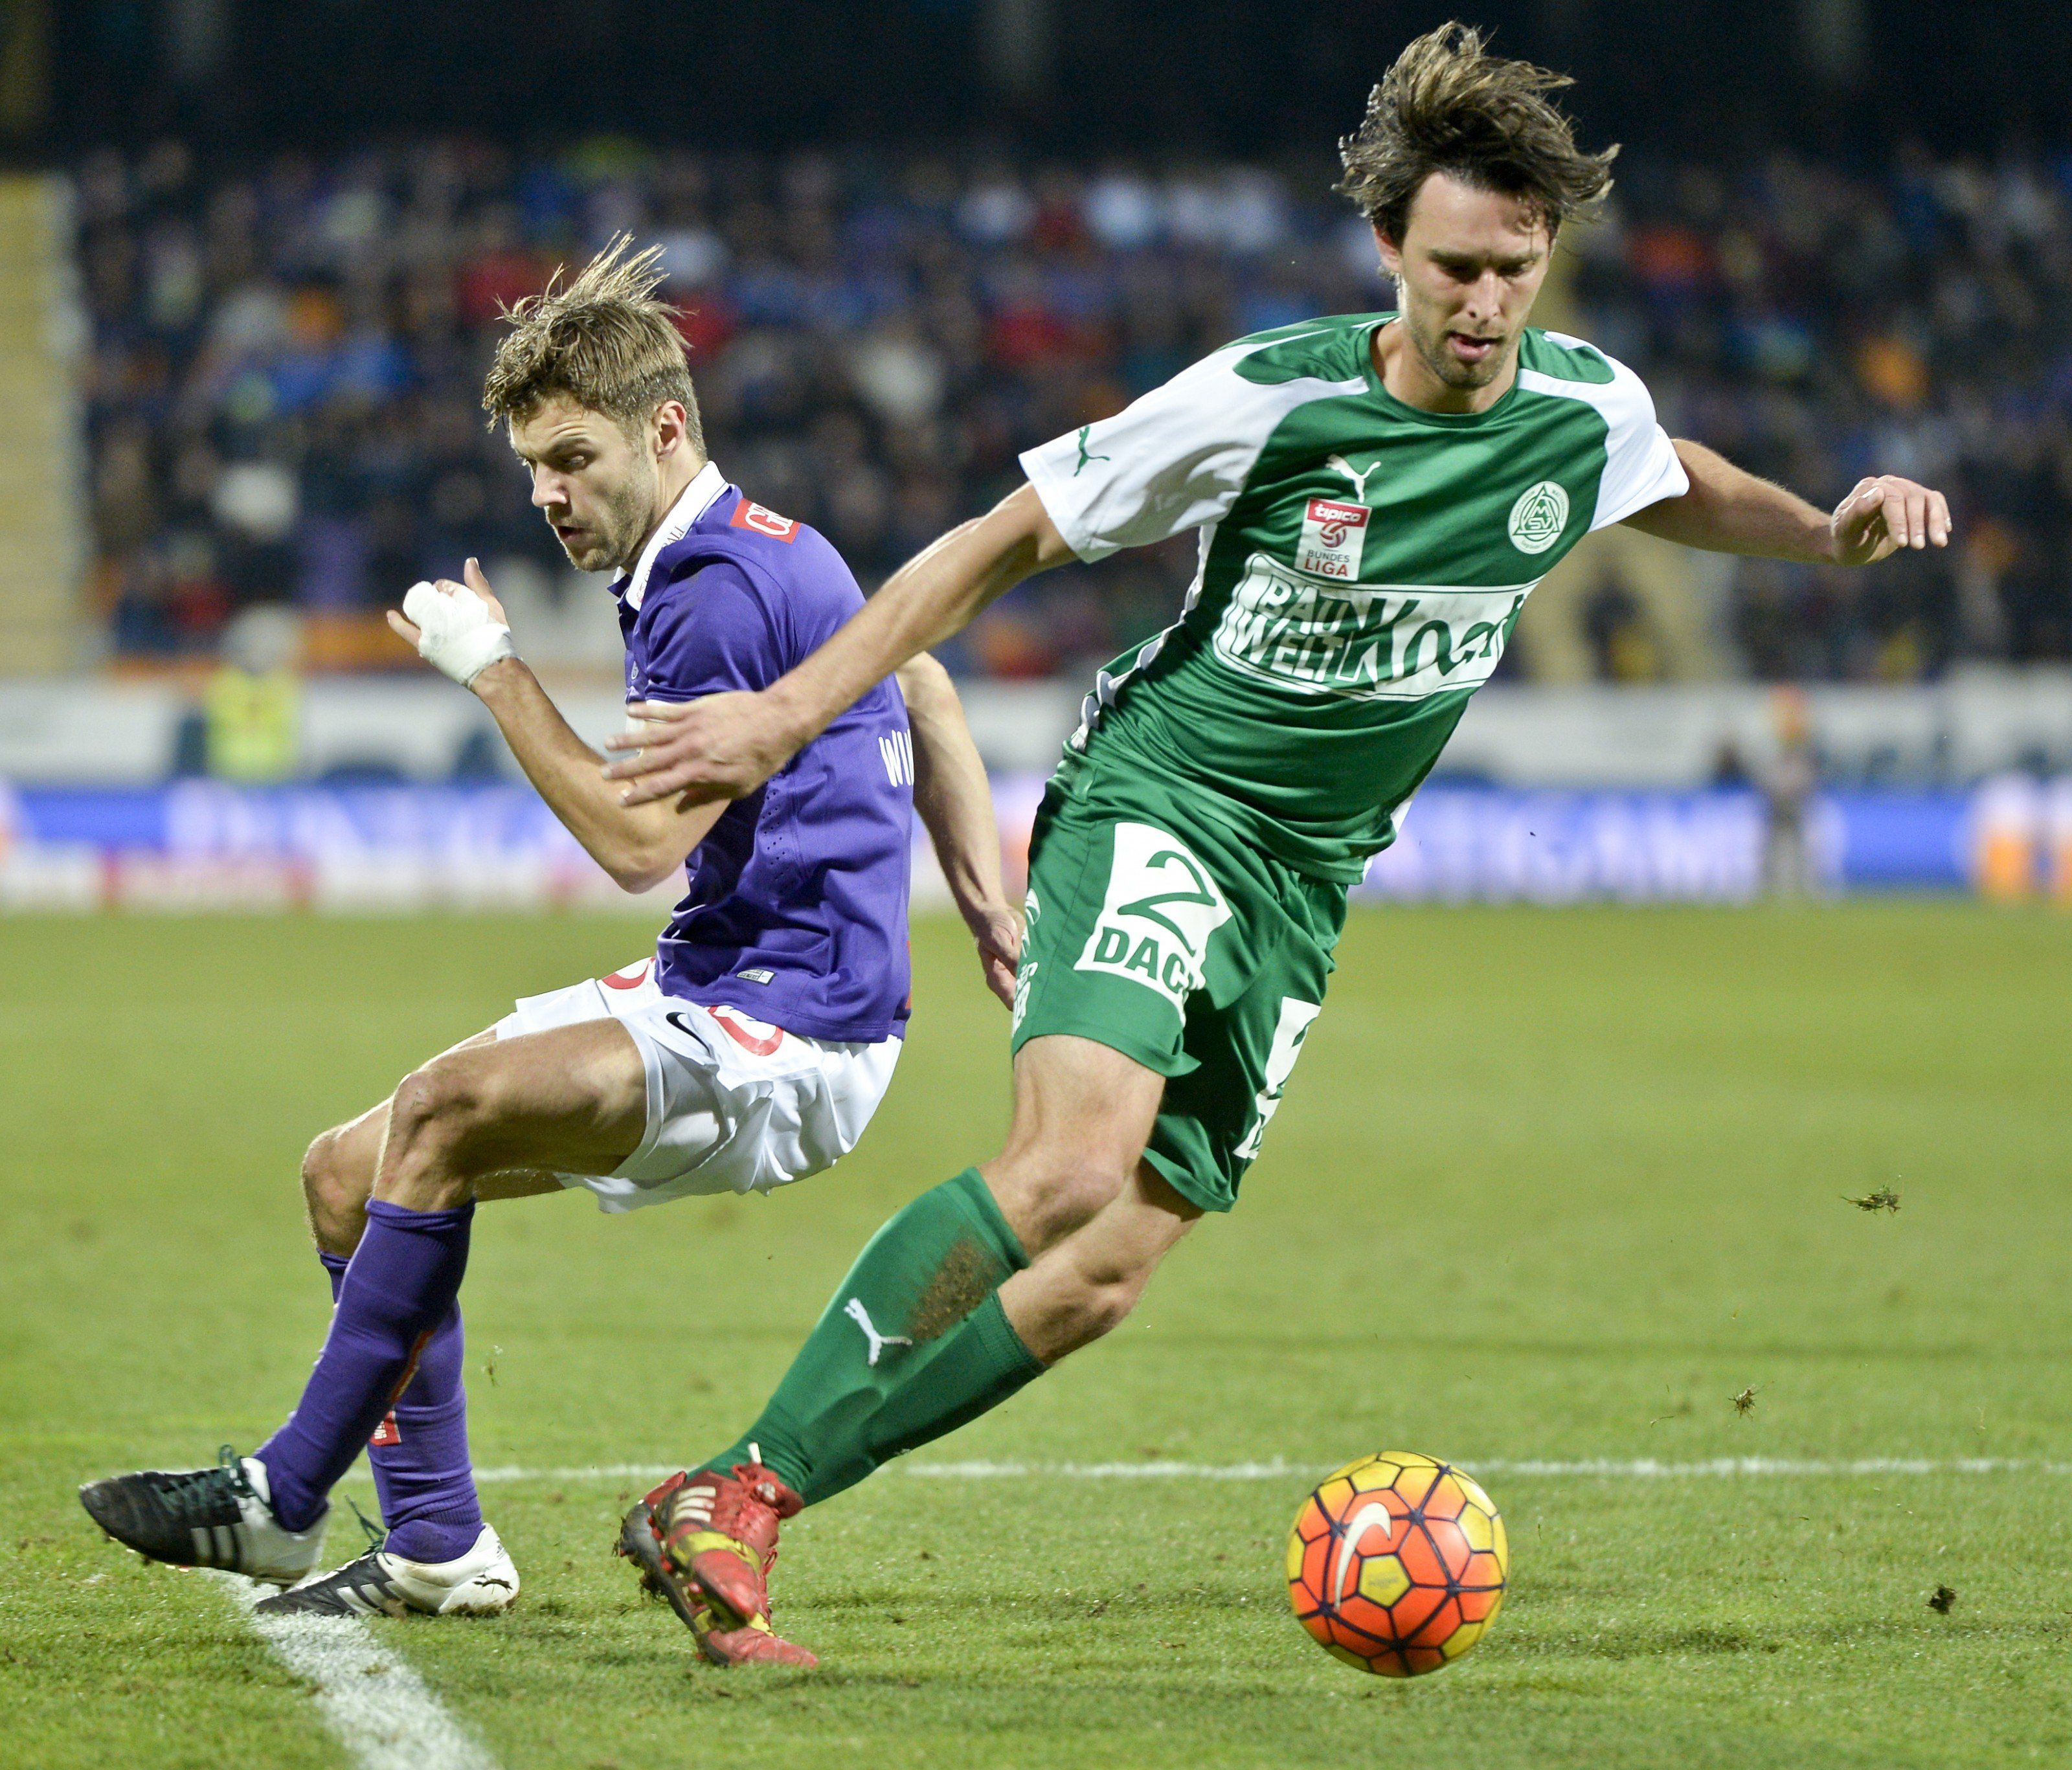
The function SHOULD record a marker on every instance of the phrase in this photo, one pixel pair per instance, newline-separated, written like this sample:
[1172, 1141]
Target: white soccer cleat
[479, 1584]
[217, 1517]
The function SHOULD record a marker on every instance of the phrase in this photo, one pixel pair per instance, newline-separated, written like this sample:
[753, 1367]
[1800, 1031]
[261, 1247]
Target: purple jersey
[796, 912]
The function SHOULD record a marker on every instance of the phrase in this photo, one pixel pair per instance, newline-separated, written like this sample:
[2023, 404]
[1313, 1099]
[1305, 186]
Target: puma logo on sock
[855, 1312]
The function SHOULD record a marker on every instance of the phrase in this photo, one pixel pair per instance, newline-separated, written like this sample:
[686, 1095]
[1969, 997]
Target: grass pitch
[1547, 1185]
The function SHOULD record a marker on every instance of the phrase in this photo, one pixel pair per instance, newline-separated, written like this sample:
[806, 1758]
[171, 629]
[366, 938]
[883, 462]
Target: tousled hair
[1448, 107]
[606, 340]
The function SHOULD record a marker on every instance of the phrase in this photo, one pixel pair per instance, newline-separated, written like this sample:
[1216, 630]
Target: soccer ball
[1397, 1564]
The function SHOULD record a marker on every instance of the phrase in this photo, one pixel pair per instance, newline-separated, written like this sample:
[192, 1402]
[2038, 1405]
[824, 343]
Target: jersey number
[1201, 894]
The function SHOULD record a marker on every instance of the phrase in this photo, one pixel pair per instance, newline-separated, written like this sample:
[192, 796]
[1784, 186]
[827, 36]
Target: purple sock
[422, 1475]
[397, 1292]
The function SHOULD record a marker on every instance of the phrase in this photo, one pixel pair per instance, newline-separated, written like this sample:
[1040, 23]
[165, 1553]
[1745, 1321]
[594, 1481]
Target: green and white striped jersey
[1363, 564]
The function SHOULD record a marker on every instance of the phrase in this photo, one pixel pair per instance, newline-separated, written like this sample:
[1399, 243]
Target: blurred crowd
[283, 367]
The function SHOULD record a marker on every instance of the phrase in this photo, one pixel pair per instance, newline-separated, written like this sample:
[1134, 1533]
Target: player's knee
[1049, 1198]
[334, 1197]
[432, 1115]
[1106, 1293]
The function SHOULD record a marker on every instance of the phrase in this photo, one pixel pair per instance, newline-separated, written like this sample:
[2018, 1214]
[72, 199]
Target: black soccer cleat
[479, 1584]
[640, 1543]
[214, 1517]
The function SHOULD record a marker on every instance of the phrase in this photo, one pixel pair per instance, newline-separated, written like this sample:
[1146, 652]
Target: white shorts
[734, 1104]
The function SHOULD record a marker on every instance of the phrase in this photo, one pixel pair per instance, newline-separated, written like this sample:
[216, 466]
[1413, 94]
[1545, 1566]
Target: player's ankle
[294, 1508]
[432, 1542]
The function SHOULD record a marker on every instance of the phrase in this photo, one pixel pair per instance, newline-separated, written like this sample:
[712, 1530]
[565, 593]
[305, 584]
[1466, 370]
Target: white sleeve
[1173, 459]
[1641, 467]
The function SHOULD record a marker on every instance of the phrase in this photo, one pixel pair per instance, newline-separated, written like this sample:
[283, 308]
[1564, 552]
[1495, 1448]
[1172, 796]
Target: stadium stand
[39, 460]
[284, 361]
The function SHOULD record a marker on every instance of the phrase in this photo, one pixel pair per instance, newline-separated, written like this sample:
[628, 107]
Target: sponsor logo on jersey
[1162, 909]
[755, 974]
[1539, 517]
[1333, 534]
[387, 1432]
[762, 522]
[1369, 642]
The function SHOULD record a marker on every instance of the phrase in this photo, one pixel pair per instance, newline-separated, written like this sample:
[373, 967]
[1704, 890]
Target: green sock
[914, 1345]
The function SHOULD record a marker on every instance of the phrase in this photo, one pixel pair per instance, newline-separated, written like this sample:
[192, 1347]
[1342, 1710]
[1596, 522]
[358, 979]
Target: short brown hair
[606, 341]
[1447, 107]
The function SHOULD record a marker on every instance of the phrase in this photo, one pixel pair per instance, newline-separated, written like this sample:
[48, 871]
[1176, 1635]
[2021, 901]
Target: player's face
[596, 486]
[1468, 267]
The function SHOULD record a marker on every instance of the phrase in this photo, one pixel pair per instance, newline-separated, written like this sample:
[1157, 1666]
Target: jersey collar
[692, 503]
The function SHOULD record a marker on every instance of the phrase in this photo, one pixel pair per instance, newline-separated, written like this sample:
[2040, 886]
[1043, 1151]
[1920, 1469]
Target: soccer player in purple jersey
[749, 1050]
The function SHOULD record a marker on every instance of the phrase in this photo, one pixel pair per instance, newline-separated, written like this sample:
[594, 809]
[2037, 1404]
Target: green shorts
[1156, 930]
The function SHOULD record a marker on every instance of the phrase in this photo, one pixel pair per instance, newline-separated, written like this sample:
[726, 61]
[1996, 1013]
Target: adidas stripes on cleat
[479, 1583]
[640, 1543]
[215, 1517]
[719, 1538]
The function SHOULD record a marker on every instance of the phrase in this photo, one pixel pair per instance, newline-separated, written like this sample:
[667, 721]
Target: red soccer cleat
[749, 1646]
[640, 1543]
[719, 1540]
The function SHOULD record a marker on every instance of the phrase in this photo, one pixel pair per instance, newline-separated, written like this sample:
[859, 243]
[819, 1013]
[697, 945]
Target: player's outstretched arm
[460, 629]
[954, 803]
[725, 746]
[1727, 511]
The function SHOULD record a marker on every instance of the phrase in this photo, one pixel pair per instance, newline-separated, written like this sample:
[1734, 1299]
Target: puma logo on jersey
[855, 1312]
[1085, 431]
[1359, 479]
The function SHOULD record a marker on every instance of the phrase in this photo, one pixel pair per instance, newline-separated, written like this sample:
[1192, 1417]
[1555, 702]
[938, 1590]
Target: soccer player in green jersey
[1376, 494]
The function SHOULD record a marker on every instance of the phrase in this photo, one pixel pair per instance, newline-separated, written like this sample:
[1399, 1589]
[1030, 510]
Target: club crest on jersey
[1333, 534]
[762, 522]
[1539, 517]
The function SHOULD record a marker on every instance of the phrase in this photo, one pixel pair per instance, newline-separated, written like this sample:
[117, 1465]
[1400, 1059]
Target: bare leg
[1094, 1216]
[1082, 1113]
[339, 1170]
[1079, 1289]
[572, 1099]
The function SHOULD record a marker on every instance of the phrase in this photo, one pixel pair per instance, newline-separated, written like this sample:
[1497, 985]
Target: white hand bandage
[456, 632]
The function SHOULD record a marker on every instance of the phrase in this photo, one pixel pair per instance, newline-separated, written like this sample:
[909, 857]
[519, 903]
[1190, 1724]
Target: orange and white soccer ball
[1397, 1563]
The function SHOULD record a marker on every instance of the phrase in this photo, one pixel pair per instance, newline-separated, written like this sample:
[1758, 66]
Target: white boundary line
[1606, 1468]
[1634, 1469]
[372, 1699]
